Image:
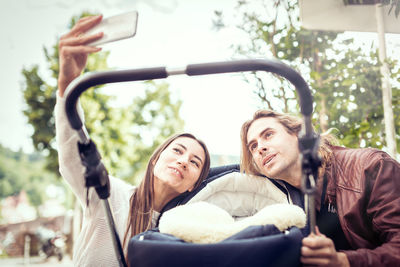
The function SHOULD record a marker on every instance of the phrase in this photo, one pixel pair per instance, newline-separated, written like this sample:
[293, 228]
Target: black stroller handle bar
[96, 174]
[81, 84]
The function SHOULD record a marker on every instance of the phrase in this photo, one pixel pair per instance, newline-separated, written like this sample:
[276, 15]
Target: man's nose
[262, 147]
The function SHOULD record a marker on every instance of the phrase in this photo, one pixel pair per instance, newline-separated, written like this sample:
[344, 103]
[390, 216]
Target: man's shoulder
[356, 162]
[357, 154]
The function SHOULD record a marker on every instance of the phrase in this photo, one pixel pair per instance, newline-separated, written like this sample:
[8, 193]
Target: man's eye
[252, 147]
[268, 134]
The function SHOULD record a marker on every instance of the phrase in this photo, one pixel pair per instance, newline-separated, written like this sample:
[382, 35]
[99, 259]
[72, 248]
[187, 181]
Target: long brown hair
[293, 126]
[142, 201]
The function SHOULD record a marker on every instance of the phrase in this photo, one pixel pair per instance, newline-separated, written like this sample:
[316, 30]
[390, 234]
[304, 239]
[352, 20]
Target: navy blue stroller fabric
[249, 247]
[254, 246]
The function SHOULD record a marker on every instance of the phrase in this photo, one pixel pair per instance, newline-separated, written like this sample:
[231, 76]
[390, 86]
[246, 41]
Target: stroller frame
[96, 174]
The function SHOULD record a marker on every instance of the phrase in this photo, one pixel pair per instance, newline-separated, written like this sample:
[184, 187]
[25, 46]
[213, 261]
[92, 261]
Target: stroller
[262, 245]
[255, 245]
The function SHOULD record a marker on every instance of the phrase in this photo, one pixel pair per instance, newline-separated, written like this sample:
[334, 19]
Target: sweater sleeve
[70, 166]
[383, 208]
[94, 245]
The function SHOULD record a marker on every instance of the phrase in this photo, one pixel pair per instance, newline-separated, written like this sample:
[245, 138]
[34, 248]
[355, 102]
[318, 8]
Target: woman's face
[180, 164]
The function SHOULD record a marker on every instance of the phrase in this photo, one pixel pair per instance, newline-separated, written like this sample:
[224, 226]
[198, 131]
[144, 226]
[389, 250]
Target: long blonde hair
[142, 201]
[293, 125]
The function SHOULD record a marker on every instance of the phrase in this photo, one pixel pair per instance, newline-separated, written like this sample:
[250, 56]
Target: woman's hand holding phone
[73, 50]
[82, 39]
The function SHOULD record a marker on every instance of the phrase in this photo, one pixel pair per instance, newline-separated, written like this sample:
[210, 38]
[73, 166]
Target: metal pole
[386, 87]
[27, 249]
[114, 235]
[311, 212]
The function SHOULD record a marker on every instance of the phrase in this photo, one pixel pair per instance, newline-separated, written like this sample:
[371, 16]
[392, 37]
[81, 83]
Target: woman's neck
[162, 195]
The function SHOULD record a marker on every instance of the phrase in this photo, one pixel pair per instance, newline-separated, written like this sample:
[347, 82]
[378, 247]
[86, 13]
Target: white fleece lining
[241, 195]
[213, 214]
[202, 222]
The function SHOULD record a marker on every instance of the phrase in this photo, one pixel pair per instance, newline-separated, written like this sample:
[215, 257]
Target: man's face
[274, 150]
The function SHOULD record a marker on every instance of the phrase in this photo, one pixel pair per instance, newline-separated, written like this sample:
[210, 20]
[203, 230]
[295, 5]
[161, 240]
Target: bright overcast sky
[173, 34]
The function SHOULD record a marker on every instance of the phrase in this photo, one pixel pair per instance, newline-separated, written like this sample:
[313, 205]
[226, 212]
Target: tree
[394, 4]
[20, 171]
[344, 80]
[150, 112]
[117, 131]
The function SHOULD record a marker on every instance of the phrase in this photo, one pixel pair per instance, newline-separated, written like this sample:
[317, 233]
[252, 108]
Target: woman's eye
[195, 163]
[177, 150]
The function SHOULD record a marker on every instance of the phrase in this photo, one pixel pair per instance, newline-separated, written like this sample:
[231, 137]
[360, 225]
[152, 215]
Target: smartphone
[115, 28]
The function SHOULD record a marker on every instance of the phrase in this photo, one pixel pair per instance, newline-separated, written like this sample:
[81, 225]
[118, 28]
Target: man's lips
[176, 171]
[268, 158]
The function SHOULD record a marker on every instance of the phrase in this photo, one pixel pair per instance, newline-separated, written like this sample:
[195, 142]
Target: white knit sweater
[94, 245]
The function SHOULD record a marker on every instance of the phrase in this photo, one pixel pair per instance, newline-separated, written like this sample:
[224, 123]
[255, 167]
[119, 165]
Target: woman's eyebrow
[197, 157]
[181, 146]
[184, 147]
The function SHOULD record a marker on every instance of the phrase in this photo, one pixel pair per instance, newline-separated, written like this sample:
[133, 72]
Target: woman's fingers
[86, 18]
[78, 50]
[86, 24]
[74, 50]
[72, 61]
[83, 25]
[76, 36]
[68, 49]
[80, 40]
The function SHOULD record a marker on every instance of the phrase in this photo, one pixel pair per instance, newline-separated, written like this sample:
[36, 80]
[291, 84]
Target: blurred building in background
[20, 223]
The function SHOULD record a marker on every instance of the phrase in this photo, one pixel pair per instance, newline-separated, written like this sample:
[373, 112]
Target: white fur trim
[203, 222]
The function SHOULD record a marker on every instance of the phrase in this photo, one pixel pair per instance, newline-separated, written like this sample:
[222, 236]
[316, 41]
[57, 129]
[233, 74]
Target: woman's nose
[183, 161]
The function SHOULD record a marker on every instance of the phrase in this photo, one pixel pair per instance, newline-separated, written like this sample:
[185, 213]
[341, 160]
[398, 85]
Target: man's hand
[318, 250]
[73, 50]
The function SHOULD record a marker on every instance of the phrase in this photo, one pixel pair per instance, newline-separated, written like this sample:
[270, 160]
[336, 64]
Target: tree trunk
[323, 116]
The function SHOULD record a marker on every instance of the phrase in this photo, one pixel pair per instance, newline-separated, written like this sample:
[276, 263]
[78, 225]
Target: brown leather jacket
[365, 185]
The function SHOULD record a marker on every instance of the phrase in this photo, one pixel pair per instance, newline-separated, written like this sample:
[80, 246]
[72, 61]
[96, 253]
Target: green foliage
[20, 171]
[117, 132]
[273, 29]
[354, 101]
[345, 81]
[40, 99]
[156, 117]
[393, 4]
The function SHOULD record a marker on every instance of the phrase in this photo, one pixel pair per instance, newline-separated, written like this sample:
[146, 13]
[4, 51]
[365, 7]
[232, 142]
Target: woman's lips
[176, 171]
